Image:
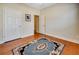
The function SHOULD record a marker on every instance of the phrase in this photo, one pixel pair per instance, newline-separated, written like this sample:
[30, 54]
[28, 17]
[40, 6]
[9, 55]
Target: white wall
[61, 21]
[1, 23]
[14, 16]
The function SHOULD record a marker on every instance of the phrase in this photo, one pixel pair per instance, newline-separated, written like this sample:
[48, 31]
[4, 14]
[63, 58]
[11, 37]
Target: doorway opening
[36, 24]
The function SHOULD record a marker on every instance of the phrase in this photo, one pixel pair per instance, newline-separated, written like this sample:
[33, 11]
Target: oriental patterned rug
[39, 47]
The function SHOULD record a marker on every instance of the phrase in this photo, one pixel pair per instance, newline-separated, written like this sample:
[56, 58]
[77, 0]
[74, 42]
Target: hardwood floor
[70, 48]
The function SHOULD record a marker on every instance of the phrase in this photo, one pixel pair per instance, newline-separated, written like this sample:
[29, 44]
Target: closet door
[12, 24]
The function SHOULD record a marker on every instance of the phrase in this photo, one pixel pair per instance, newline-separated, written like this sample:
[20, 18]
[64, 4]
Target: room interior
[23, 23]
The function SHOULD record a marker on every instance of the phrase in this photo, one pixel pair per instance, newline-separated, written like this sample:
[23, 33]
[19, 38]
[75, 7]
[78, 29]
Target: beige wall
[61, 21]
[23, 28]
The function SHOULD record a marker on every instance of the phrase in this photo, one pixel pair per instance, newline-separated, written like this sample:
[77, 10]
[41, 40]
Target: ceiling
[39, 6]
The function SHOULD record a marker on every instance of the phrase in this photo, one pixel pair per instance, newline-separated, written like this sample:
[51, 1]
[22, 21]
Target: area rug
[39, 47]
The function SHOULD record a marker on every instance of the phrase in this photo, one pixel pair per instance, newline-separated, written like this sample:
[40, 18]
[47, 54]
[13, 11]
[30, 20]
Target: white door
[42, 24]
[12, 24]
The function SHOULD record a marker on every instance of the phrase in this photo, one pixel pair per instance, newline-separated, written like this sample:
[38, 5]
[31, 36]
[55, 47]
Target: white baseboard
[26, 35]
[67, 39]
[16, 38]
[2, 42]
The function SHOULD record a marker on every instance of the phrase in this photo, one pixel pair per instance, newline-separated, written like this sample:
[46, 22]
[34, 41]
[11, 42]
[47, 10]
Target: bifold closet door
[12, 24]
